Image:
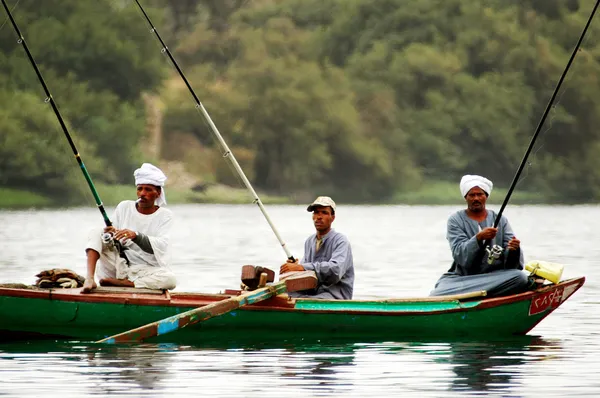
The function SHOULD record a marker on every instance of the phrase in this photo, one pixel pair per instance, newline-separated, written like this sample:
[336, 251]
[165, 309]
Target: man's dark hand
[486, 234]
[290, 266]
[514, 244]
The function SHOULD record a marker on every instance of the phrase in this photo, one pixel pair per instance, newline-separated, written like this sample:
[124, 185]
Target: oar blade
[179, 321]
[175, 322]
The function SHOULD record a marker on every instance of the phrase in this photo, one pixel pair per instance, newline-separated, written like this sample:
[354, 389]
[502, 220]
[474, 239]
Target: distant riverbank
[434, 193]
[111, 195]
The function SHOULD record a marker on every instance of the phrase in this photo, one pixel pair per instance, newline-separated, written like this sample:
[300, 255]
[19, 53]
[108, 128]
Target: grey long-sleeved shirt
[465, 247]
[333, 265]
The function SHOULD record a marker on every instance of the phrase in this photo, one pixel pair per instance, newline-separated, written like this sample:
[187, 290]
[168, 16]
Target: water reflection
[493, 366]
[321, 366]
[144, 366]
[294, 367]
[309, 366]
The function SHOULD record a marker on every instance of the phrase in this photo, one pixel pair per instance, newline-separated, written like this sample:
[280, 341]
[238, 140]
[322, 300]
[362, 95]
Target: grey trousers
[497, 283]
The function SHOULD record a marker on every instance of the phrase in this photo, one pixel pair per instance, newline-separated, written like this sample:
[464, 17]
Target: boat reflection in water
[304, 367]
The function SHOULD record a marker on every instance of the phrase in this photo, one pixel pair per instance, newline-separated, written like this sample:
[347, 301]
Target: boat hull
[65, 313]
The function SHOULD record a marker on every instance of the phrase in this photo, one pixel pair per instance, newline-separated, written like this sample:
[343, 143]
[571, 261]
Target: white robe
[155, 226]
[145, 270]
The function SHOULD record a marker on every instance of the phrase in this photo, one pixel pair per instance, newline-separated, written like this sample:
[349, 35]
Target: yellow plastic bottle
[546, 270]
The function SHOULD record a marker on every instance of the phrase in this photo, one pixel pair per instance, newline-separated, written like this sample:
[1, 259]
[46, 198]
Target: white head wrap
[150, 174]
[470, 181]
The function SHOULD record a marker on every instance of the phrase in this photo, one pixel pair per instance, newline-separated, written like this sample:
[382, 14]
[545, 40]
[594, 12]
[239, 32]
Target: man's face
[148, 194]
[322, 218]
[476, 199]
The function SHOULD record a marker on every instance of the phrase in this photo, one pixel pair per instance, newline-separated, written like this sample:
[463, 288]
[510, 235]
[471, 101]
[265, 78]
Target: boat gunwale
[280, 303]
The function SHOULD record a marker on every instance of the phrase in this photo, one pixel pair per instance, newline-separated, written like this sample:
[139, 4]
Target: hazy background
[367, 101]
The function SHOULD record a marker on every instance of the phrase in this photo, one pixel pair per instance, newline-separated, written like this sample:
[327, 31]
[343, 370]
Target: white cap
[152, 175]
[469, 182]
[324, 201]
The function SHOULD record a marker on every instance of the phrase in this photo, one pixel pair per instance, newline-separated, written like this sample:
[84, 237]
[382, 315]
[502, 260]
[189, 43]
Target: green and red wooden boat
[65, 313]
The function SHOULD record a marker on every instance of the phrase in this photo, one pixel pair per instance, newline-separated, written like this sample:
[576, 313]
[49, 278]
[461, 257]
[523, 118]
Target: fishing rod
[541, 123]
[50, 99]
[227, 152]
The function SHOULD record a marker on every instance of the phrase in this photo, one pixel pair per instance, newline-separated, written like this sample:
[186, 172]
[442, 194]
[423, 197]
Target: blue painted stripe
[167, 326]
[110, 341]
[383, 306]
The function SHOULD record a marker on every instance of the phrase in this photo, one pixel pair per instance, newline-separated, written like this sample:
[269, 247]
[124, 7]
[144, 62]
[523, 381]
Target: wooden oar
[299, 281]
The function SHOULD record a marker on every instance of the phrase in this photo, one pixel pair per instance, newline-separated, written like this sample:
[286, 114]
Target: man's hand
[88, 285]
[486, 234]
[514, 244]
[125, 234]
[290, 266]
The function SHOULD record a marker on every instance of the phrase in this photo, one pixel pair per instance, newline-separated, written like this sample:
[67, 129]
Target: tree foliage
[356, 98]
[96, 65]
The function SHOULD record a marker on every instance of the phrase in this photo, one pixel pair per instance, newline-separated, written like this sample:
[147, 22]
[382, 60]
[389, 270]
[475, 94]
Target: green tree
[100, 42]
[34, 155]
[97, 58]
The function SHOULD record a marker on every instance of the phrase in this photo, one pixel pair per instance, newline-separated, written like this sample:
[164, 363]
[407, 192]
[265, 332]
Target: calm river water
[399, 251]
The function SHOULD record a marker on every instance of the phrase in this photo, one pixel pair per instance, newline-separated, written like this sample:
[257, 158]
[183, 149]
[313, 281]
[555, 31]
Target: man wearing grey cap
[328, 253]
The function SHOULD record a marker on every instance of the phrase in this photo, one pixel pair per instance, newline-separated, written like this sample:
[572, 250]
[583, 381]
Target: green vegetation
[19, 199]
[386, 101]
[112, 194]
[433, 193]
[443, 193]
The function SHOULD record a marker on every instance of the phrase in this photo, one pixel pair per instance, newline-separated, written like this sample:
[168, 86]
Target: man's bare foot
[116, 282]
[88, 285]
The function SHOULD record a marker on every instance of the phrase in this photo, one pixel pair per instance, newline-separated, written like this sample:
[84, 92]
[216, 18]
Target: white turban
[470, 181]
[150, 174]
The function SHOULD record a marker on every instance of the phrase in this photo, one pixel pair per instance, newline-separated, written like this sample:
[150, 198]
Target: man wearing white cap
[142, 229]
[497, 270]
[328, 253]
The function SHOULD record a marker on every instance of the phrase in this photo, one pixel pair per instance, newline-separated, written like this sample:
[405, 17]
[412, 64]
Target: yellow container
[546, 270]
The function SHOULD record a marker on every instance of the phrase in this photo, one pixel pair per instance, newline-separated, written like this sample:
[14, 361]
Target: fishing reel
[494, 253]
[107, 238]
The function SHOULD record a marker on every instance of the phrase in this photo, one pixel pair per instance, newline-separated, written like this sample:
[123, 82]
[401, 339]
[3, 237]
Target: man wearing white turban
[142, 228]
[498, 270]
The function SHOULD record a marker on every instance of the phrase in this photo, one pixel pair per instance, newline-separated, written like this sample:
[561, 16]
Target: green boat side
[65, 313]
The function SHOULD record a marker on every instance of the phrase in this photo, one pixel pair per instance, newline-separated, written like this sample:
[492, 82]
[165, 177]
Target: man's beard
[477, 209]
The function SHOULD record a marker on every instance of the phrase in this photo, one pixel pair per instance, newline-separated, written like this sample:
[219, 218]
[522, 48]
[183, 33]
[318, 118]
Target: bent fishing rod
[227, 152]
[49, 99]
[543, 119]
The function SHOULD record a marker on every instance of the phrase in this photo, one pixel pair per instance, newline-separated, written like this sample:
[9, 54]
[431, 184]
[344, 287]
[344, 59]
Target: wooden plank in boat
[454, 297]
[428, 299]
[125, 290]
[299, 280]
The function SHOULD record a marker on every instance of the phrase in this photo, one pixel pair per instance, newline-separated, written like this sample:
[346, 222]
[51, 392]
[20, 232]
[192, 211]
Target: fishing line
[227, 152]
[6, 19]
[554, 111]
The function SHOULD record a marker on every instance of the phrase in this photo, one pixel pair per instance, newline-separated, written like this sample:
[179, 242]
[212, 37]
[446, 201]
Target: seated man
[497, 271]
[142, 229]
[328, 253]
